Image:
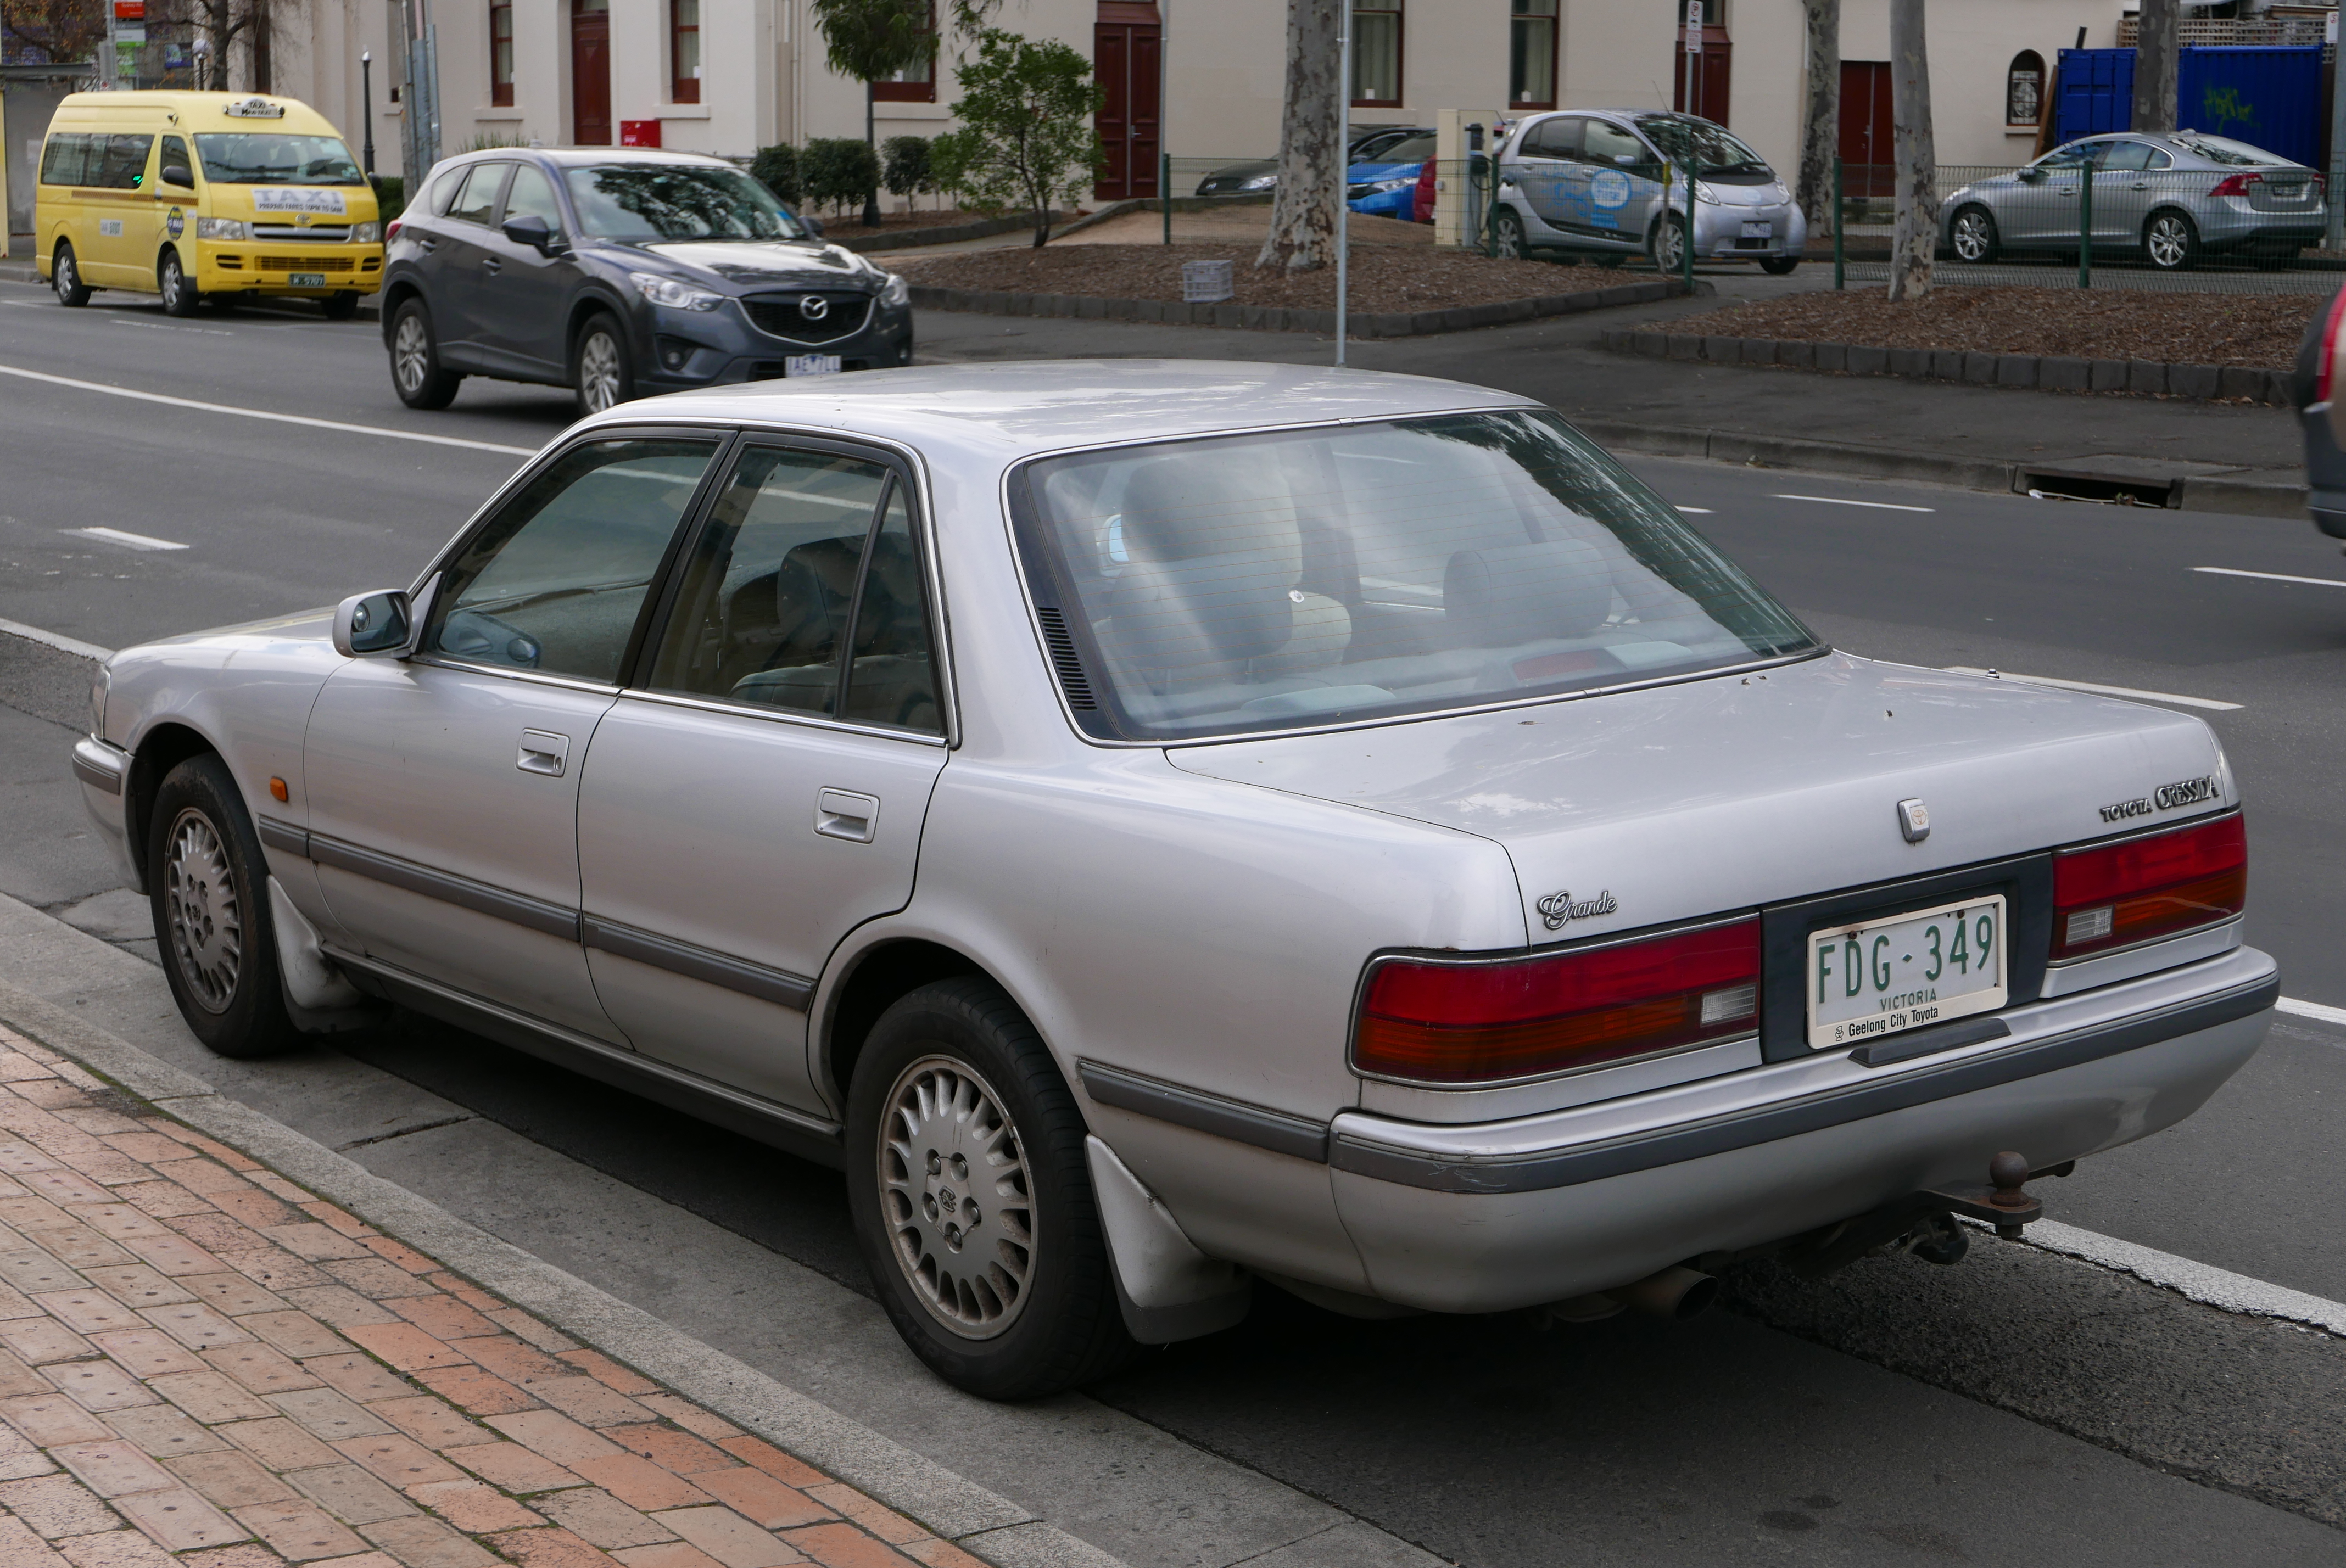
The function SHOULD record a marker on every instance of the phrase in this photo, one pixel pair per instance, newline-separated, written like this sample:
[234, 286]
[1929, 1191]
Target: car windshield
[2074, 156]
[2225, 150]
[1271, 581]
[274, 158]
[1713, 147]
[638, 202]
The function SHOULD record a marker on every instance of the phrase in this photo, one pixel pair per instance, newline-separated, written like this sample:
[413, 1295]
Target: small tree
[904, 166]
[777, 169]
[221, 25]
[1025, 134]
[1308, 202]
[67, 32]
[1916, 241]
[838, 171]
[867, 40]
[1820, 127]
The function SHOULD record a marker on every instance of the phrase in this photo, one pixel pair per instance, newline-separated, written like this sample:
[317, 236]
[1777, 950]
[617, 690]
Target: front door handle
[543, 751]
[844, 814]
[492, 264]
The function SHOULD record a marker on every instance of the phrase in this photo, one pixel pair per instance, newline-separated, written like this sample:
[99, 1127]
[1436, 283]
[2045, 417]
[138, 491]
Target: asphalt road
[2016, 1407]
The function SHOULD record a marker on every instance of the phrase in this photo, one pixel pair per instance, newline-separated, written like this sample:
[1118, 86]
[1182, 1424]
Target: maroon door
[1868, 153]
[1701, 89]
[1127, 42]
[590, 73]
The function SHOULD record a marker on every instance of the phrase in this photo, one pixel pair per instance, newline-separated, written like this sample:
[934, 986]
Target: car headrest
[1204, 609]
[1512, 593]
[1188, 507]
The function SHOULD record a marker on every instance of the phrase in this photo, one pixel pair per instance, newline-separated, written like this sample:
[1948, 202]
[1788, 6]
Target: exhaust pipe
[1676, 1293]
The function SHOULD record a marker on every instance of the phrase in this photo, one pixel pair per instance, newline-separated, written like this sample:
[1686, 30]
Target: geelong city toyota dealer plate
[1868, 980]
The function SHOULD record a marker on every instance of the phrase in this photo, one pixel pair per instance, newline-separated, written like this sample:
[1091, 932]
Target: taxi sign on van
[254, 109]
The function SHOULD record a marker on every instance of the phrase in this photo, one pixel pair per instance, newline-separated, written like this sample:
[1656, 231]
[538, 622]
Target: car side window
[174, 155]
[2158, 161]
[556, 581]
[2124, 156]
[1558, 139]
[892, 676]
[531, 195]
[478, 200]
[1605, 142]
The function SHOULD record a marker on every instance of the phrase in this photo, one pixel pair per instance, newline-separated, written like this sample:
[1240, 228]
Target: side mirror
[372, 625]
[178, 174]
[532, 231]
[2030, 174]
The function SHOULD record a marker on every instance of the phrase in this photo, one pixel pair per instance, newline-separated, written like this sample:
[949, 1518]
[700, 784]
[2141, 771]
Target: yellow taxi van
[196, 195]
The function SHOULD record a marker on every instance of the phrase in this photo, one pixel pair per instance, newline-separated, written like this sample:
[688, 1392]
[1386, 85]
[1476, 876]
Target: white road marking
[2272, 577]
[127, 541]
[1843, 501]
[56, 640]
[1697, 511]
[2218, 1287]
[2207, 702]
[257, 413]
[2314, 1010]
[170, 327]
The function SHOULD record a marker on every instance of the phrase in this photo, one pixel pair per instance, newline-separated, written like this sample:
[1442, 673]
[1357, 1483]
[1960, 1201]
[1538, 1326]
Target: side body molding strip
[536, 914]
[1267, 1129]
[779, 985]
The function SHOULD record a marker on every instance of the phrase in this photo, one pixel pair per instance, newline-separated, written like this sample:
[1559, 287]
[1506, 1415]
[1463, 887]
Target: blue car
[1388, 187]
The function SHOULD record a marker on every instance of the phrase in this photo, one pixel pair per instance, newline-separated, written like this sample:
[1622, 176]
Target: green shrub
[777, 169]
[390, 195]
[906, 169]
[838, 172]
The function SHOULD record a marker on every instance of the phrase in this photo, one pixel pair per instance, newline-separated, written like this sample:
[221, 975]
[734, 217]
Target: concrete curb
[943, 234]
[2045, 373]
[979, 1521]
[1286, 318]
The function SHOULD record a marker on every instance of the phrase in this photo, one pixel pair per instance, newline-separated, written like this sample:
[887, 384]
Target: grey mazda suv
[622, 274]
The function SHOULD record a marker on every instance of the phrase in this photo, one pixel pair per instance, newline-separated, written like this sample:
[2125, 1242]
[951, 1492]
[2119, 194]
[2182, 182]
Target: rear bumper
[1488, 1216]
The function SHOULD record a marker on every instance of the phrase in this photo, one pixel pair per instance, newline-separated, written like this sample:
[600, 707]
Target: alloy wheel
[2168, 241]
[1669, 247]
[62, 274]
[956, 1199]
[206, 916]
[1972, 236]
[598, 372]
[411, 353]
[1507, 238]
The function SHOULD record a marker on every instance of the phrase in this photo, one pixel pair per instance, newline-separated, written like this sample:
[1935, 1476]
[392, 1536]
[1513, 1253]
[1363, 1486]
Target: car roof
[569, 155]
[1003, 413]
[191, 112]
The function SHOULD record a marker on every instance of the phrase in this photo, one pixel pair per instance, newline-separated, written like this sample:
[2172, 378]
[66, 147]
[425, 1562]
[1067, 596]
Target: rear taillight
[2327, 363]
[2114, 895]
[391, 230]
[1475, 1023]
[2236, 184]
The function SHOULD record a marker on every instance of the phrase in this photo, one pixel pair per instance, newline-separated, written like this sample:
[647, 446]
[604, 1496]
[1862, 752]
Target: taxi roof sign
[254, 109]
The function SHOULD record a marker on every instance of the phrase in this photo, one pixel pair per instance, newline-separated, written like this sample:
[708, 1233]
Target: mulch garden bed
[2252, 331]
[843, 224]
[1382, 279]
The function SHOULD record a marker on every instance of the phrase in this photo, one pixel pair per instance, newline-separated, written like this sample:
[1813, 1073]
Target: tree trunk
[1820, 132]
[1309, 199]
[870, 196]
[1917, 238]
[2154, 68]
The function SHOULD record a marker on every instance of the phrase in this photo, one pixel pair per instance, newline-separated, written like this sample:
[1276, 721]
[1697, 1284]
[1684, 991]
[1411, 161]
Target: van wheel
[415, 372]
[178, 290]
[209, 894]
[65, 277]
[972, 1201]
[601, 372]
[340, 307]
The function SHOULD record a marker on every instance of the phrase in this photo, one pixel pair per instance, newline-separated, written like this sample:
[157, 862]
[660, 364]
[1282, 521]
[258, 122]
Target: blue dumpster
[2267, 96]
[2094, 94]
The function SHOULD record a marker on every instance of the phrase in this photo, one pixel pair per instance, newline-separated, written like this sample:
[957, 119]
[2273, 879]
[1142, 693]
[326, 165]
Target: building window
[684, 51]
[916, 83]
[1376, 54]
[1531, 55]
[2024, 91]
[501, 53]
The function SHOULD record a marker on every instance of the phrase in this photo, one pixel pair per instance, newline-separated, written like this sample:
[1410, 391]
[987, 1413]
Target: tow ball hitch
[1923, 1222]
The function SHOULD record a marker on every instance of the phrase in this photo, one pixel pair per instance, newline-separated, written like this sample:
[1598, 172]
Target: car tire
[953, 1075]
[340, 307]
[600, 367]
[415, 371]
[1507, 240]
[1778, 266]
[2171, 242]
[1665, 245]
[178, 290]
[209, 892]
[65, 277]
[1972, 236]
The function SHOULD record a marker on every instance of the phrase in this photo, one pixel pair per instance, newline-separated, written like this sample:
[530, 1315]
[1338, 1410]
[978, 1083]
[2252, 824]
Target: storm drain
[2106, 490]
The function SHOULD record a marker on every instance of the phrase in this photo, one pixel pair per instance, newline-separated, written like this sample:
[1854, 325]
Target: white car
[1166, 826]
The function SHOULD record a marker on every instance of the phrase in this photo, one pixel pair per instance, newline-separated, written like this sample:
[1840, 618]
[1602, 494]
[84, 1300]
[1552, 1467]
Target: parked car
[622, 273]
[1384, 184]
[1612, 182]
[2318, 415]
[2170, 200]
[1258, 175]
[1347, 834]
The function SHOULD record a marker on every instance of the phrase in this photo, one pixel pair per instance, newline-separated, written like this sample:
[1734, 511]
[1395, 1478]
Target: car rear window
[2225, 150]
[1295, 578]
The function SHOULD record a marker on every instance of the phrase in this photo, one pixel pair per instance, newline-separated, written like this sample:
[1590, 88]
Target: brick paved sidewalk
[205, 1365]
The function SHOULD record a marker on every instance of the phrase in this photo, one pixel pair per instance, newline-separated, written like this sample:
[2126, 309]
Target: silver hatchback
[2173, 199]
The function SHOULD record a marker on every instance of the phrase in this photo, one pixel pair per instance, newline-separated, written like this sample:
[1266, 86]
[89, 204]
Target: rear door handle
[844, 814]
[492, 263]
[543, 751]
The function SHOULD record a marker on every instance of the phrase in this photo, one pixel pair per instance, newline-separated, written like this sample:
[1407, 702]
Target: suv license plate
[1868, 980]
[810, 365]
[306, 279]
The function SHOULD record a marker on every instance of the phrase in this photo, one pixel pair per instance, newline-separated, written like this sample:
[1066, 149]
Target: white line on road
[2199, 1282]
[257, 413]
[2272, 577]
[127, 541]
[2314, 1010]
[1845, 501]
[1699, 510]
[2207, 702]
[169, 327]
[56, 640]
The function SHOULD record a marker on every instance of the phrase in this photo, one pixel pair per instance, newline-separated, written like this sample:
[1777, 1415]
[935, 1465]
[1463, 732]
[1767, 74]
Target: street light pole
[1343, 162]
[366, 107]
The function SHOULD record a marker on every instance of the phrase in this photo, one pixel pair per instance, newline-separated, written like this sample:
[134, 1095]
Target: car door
[1625, 186]
[760, 790]
[2123, 190]
[121, 247]
[460, 269]
[524, 292]
[2045, 211]
[1542, 169]
[443, 788]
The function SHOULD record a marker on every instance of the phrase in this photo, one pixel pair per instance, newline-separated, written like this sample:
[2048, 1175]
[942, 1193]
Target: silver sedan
[1167, 829]
[2170, 200]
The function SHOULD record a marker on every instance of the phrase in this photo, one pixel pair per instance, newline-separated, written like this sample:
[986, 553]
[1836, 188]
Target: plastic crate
[1203, 282]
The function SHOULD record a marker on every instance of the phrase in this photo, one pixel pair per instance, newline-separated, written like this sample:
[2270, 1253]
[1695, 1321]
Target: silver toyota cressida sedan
[1166, 826]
